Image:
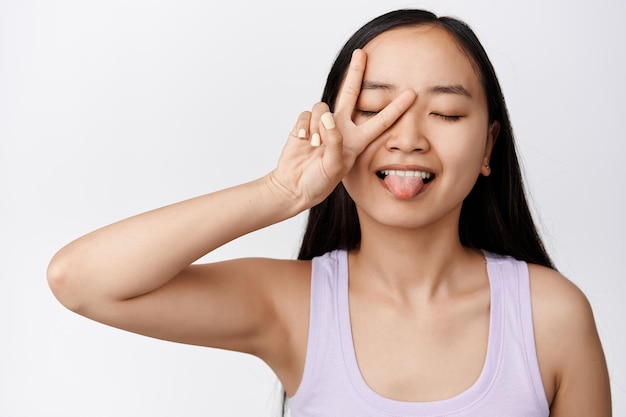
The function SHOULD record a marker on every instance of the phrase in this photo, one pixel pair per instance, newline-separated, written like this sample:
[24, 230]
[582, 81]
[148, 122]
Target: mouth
[424, 175]
[405, 184]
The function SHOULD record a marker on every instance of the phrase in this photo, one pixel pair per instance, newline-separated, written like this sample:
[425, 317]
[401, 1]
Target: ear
[492, 135]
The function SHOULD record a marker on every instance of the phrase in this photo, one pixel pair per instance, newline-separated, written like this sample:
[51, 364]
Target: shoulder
[557, 301]
[561, 312]
[568, 347]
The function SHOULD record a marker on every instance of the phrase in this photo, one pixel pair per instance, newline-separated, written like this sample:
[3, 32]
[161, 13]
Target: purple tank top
[332, 385]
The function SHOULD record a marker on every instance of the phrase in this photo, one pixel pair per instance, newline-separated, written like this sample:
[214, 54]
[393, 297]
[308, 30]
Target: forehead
[419, 57]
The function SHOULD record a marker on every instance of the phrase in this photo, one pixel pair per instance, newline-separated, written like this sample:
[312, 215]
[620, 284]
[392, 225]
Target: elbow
[63, 283]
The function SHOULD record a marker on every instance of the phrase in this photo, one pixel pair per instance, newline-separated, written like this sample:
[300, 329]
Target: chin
[407, 215]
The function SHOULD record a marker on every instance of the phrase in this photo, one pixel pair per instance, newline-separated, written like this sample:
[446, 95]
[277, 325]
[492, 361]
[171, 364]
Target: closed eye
[447, 117]
[367, 113]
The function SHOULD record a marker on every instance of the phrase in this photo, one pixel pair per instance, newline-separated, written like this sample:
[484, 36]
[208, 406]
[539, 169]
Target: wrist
[275, 193]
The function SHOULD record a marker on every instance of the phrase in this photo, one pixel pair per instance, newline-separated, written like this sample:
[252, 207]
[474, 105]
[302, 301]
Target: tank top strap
[515, 281]
[323, 341]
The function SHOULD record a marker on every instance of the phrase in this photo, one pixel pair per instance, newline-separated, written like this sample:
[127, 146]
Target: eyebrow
[450, 89]
[376, 85]
[457, 89]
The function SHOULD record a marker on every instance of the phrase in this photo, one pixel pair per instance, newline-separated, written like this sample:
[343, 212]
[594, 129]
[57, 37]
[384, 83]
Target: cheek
[468, 147]
[353, 179]
[463, 155]
[470, 157]
[359, 178]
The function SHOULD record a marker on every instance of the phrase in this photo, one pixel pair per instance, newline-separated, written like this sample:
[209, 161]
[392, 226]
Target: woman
[422, 288]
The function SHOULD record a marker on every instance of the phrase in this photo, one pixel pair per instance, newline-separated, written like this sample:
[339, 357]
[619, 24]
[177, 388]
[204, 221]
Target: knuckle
[384, 121]
[357, 67]
[319, 108]
[303, 119]
[350, 90]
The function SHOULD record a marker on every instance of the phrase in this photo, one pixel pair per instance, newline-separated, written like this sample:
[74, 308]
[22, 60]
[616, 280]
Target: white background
[110, 108]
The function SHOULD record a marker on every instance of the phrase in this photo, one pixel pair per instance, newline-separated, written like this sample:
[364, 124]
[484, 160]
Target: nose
[407, 135]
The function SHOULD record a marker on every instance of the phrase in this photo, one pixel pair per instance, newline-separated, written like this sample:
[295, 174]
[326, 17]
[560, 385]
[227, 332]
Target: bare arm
[137, 274]
[137, 255]
[570, 354]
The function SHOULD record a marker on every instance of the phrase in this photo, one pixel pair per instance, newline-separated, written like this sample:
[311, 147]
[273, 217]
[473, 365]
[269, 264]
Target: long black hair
[494, 216]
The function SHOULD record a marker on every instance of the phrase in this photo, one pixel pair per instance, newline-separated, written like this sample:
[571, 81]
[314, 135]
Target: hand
[323, 147]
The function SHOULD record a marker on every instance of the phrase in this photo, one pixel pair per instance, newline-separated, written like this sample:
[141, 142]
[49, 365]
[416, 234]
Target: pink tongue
[404, 187]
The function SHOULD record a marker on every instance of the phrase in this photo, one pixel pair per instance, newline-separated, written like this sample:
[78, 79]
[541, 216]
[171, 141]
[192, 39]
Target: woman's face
[419, 171]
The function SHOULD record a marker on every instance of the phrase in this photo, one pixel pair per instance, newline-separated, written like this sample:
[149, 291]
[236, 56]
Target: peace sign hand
[323, 147]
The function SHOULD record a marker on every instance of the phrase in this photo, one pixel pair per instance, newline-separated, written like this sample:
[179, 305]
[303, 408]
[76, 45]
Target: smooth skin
[139, 274]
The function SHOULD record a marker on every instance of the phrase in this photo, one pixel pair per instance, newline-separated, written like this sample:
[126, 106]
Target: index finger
[351, 87]
[388, 116]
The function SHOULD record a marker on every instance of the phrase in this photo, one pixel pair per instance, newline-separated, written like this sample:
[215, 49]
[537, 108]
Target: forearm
[137, 255]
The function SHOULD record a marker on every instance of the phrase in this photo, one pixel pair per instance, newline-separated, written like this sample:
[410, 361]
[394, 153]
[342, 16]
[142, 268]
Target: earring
[486, 170]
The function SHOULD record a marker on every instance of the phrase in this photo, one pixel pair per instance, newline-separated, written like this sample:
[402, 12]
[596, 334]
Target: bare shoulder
[557, 301]
[569, 351]
[561, 311]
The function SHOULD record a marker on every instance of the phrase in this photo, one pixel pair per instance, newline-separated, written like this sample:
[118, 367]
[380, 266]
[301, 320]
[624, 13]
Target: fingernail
[302, 133]
[316, 140]
[328, 121]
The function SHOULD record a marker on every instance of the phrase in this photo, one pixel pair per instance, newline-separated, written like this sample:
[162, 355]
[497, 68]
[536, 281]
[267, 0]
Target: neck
[425, 260]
